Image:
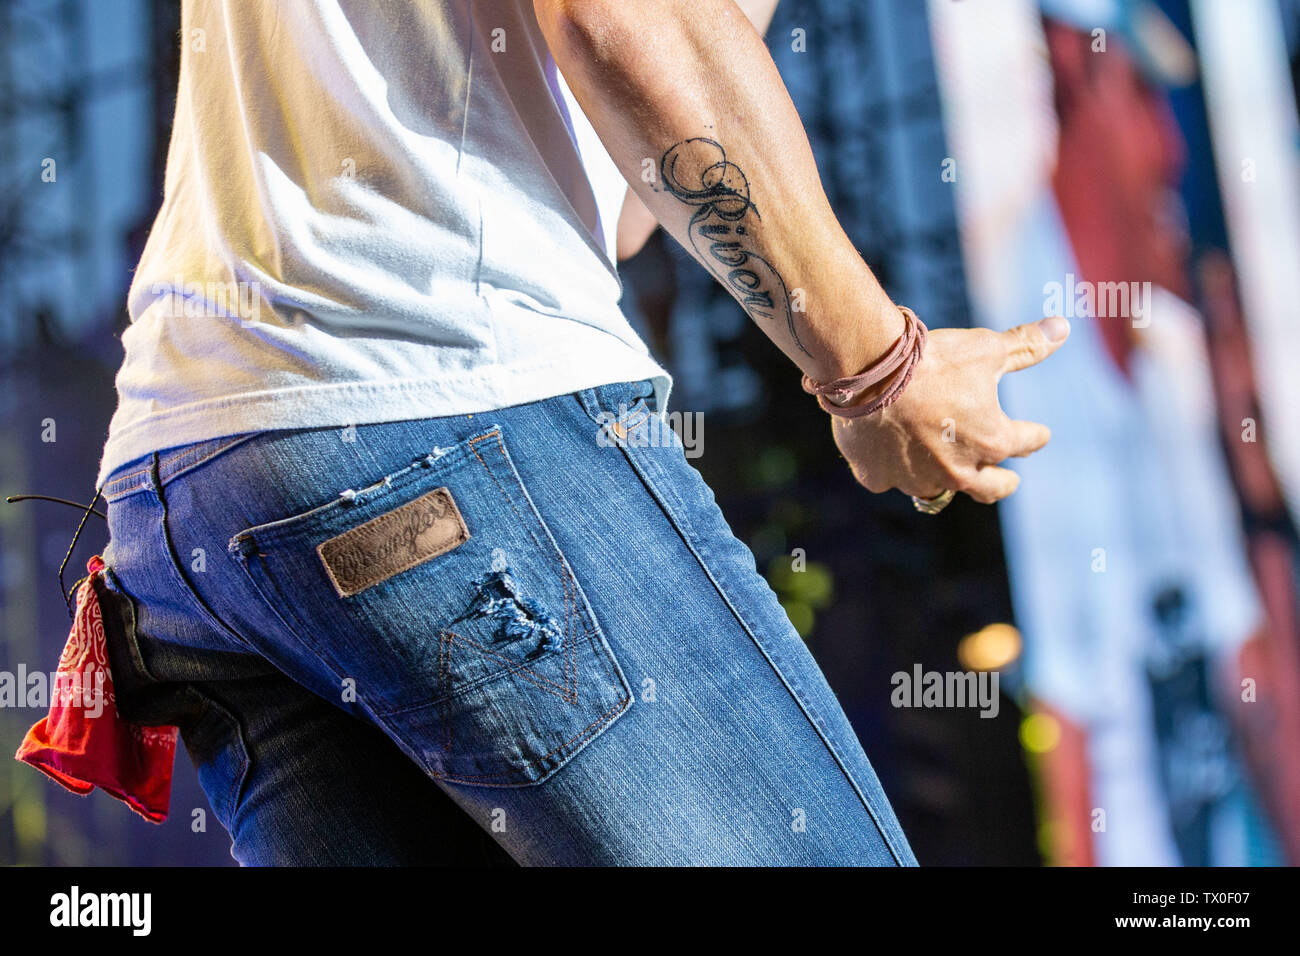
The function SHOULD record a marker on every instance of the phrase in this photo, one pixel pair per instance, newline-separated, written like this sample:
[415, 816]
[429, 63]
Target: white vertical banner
[996, 86]
[1252, 112]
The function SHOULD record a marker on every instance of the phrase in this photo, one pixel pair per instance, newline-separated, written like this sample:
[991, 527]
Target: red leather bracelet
[899, 363]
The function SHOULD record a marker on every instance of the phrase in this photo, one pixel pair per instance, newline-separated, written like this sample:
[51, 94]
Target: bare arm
[690, 106]
[683, 93]
[636, 223]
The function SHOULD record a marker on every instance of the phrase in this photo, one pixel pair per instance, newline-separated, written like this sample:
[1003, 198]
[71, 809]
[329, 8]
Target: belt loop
[590, 402]
[153, 478]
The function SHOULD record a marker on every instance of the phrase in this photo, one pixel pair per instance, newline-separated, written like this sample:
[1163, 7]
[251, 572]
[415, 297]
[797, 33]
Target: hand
[947, 430]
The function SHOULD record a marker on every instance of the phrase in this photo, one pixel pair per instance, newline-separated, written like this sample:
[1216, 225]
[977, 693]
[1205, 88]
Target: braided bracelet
[899, 362]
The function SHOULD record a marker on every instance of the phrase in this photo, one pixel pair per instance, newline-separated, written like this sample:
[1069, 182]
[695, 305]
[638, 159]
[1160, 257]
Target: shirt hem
[360, 403]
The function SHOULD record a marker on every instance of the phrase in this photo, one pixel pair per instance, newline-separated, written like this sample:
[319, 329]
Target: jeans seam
[132, 641]
[113, 486]
[590, 729]
[171, 467]
[222, 713]
[182, 582]
[643, 467]
[567, 579]
[111, 492]
[297, 628]
[294, 631]
[577, 630]
[570, 611]
[522, 668]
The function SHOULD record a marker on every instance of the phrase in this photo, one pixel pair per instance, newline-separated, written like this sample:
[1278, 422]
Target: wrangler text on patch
[394, 542]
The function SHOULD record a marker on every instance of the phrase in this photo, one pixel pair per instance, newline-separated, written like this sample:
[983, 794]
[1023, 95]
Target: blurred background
[1133, 165]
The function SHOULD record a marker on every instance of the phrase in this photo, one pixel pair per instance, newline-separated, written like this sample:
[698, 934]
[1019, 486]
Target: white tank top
[374, 211]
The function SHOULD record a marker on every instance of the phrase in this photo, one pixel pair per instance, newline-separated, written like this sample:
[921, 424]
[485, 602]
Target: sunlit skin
[705, 74]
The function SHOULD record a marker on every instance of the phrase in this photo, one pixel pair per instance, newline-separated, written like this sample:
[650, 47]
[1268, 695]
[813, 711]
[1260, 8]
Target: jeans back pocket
[437, 598]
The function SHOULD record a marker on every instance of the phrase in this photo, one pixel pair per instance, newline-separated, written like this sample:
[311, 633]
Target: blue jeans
[525, 635]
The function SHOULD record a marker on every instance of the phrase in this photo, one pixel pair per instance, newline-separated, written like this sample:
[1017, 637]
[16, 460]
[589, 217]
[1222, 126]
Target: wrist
[848, 347]
[881, 383]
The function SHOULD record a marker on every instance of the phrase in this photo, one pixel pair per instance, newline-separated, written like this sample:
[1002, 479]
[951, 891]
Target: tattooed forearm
[698, 173]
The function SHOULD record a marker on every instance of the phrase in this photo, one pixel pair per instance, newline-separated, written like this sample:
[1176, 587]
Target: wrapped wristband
[899, 363]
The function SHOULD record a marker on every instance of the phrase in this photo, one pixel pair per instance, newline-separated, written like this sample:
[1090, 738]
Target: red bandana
[83, 743]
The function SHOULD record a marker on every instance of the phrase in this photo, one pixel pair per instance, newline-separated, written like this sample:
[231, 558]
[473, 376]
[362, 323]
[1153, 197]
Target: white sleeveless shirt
[374, 211]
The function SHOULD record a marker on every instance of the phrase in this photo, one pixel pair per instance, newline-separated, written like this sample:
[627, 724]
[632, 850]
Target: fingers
[1025, 438]
[1029, 344]
[991, 484]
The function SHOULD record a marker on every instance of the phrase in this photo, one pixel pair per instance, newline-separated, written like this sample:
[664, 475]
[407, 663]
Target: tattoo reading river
[698, 173]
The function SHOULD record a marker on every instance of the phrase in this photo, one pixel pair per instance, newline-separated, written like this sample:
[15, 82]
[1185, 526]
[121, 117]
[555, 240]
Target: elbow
[586, 28]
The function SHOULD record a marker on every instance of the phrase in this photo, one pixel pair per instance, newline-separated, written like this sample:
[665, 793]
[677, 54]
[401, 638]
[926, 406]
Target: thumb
[1029, 344]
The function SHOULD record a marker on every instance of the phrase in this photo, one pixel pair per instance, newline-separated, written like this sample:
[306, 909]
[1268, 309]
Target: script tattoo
[697, 172]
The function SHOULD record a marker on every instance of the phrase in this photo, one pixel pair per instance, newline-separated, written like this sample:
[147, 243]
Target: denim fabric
[594, 673]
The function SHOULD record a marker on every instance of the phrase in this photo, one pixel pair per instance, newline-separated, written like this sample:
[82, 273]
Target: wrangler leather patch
[394, 542]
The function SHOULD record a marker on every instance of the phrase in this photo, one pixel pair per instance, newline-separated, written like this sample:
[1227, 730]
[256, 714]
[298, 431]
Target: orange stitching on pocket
[570, 586]
[602, 719]
[523, 668]
[520, 668]
[572, 610]
[570, 651]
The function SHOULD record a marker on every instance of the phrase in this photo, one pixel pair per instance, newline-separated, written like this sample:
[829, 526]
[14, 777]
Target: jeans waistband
[152, 471]
[142, 475]
[615, 396]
